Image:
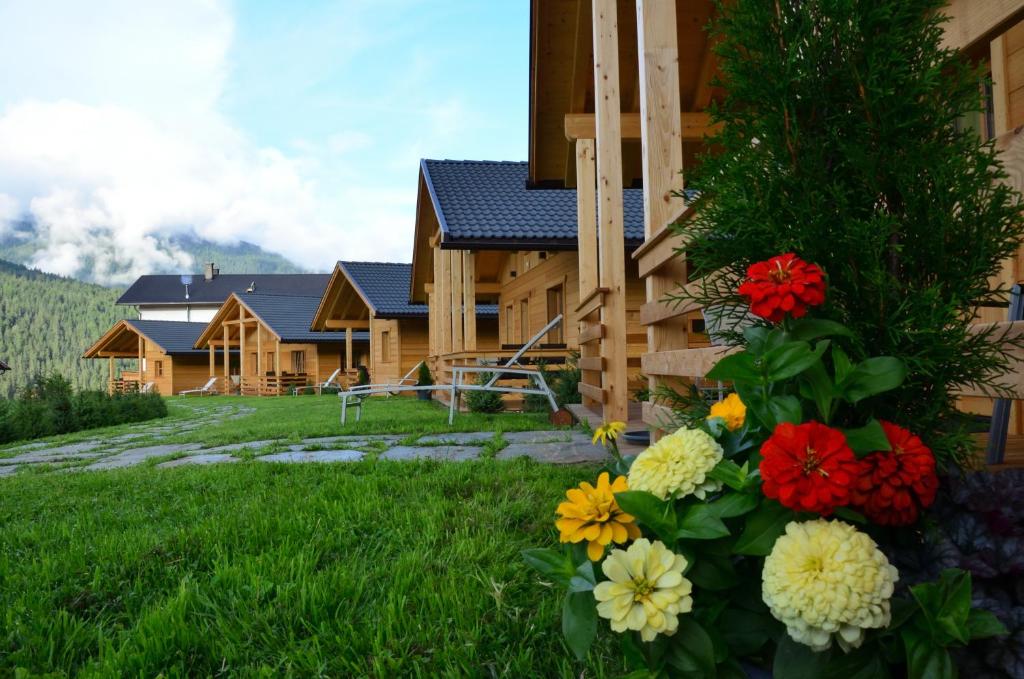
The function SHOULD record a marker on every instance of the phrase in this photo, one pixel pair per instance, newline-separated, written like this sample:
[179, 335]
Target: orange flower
[592, 514]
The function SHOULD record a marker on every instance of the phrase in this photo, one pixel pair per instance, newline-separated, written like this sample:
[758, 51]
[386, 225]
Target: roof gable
[385, 287]
[172, 337]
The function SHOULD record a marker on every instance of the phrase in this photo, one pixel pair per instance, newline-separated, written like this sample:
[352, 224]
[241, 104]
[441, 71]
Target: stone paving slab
[235, 447]
[555, 453]
[539, 436]
[458, 438]
[313, 456]
[450, 453]
[47, 456]
[215, 458]
[8, 470]
[132, 457]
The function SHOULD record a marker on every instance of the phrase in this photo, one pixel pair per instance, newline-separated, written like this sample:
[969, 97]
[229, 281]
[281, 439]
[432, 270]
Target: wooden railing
[272, 385]
[592, 331]
[442, 365]
[126, 384]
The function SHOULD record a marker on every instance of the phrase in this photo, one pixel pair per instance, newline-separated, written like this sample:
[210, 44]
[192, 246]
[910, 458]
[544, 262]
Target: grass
[293, 418]
[370, 569]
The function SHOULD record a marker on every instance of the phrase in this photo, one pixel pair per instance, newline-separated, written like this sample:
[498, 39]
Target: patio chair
[209, 388]
[326, 384]
[147, 387]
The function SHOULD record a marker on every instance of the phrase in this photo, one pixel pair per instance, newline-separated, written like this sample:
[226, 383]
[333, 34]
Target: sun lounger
[207, 389]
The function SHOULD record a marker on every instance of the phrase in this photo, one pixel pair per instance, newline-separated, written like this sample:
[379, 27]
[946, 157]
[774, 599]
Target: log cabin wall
[188, 372]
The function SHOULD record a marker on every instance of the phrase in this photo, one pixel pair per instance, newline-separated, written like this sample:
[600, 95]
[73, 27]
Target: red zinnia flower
[894, 485]
[784, 284]
[808, 467]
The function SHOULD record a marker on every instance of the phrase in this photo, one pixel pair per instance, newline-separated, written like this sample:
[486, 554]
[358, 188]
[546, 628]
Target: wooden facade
[619, 92]
[163, 369]
[397, 344]
[250, 356]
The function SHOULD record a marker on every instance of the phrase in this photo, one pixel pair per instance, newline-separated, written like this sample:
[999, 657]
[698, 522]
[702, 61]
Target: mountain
[47, 321]
[20, 242]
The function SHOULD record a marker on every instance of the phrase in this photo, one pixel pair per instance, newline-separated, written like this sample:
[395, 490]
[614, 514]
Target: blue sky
[297, 126]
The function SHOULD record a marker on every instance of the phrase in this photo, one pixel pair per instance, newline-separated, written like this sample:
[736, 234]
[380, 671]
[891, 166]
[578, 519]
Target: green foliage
[231, 570]
[46, 322]
[841, 143]
[484, 401]
[50, 406]
[362, 376]
[423, 377]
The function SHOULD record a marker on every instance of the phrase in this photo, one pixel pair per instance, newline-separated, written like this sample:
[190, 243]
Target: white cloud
[112, 138]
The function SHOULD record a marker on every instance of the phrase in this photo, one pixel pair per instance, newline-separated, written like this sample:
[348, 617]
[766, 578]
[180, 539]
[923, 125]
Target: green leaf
[730, 474]
[946, 606]
[867, 439]
[795, 661]
[555, 565]
[700, 522]
[817, 386]
[757, 409]
[756, 337]
[982, 624]
[872, 376]
[848, 514]
[738, 367]
[841, 363]
[791, 359]
[763, 528]
[926, 660]
[584, 579]
[734, 504]
[692, 650]
[807, 329]
[867, 662]
[579, 622]
[745, 631]
[651, 511]
[786, 409]
[712, 571]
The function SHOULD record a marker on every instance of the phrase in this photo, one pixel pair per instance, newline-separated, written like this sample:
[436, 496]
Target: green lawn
[291, 418]
[369, 569]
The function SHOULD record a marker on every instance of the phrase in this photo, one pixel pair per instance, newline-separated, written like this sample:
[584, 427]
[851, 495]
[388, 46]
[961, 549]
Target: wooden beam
[227, 358]
[335, 324]
[142, 356]
[596, 393]
[975, 23]
[694, 126]
[213, 361]
[684, 362]
[469, 299]
[593, 331]
[260, 370]
[1000, 89]
[241, 342]
[348, 349]
[444, 300]
[582, 66]
[594, 363]
[708, 69]
[611, 239]
[456, 301]
[586, 215]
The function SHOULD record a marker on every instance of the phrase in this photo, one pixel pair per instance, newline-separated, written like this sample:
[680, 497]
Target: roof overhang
[120, 341]
[342, 299]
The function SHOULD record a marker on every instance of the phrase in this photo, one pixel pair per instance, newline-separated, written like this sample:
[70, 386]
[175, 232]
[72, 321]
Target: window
[556, 304]
[158, 368]
[510, 324]
[269, 364]
[385, 346]
[298, 361]
[524, 321]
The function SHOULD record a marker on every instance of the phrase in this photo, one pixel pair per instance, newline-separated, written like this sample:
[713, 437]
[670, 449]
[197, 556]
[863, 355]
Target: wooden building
[372, 297]
[618, 98]
[261, 344]
[495, 259]
[162, 354]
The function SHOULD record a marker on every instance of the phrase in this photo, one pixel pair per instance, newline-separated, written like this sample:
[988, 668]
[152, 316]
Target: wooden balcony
[273, 385]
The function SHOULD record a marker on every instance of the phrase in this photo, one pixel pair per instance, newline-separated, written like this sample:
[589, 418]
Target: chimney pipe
[211, 271]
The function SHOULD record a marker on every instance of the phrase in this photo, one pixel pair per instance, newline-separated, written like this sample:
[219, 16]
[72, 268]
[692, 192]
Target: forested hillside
[46, 322]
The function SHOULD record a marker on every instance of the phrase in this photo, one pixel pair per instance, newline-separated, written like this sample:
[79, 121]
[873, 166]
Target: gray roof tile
[168, 289]
[174, 337]
[386, 286]
[290, 316]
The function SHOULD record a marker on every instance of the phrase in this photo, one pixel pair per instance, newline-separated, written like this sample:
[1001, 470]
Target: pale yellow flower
[826, 579]
[592, 514]
[677, 465]
[609, 431]
[645, 591]
[732, 410]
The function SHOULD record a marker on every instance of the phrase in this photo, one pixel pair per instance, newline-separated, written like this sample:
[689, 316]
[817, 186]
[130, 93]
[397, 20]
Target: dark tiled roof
[174, 337]
[290, 316]
[480, 201]
[168, 289]
[386, 286]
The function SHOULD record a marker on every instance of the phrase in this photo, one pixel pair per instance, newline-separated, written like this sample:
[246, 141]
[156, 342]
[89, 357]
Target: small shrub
[423, 377]
[484, 401]
[362, 376]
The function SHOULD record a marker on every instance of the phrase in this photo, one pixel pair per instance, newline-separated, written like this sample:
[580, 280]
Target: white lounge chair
[209, 388]
[147, 387]
[326, 384]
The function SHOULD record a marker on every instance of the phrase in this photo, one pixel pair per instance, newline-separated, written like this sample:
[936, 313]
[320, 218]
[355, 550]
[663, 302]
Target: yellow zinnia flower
[592, 514]
[731, 410]
[645, 590]
[677, 465]
[826, 579]
[609, 431]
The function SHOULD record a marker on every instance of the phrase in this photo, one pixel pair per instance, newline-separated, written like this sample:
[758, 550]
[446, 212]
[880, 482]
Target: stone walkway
[556, 447]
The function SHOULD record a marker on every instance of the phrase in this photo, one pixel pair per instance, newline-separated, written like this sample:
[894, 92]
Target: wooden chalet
[618, 99]
[261, 345]
[372, 297]
[162, 353]
[486, 240]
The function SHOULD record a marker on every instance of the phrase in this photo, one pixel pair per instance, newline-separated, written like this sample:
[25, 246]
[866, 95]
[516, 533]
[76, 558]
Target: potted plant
[424, 379]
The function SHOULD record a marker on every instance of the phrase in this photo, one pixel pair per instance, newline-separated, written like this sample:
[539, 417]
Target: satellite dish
[186, 280]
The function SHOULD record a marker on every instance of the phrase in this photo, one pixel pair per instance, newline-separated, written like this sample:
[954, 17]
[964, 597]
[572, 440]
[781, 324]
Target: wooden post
[241, 344]
[661, 142]
[586, 216]
[259, 349]
[142, 357]
[469, 299]
[277, 359]
[227, 359]
[348, 349]
[611, 236]
[213, 359]
[456, 302]
[444, 300]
